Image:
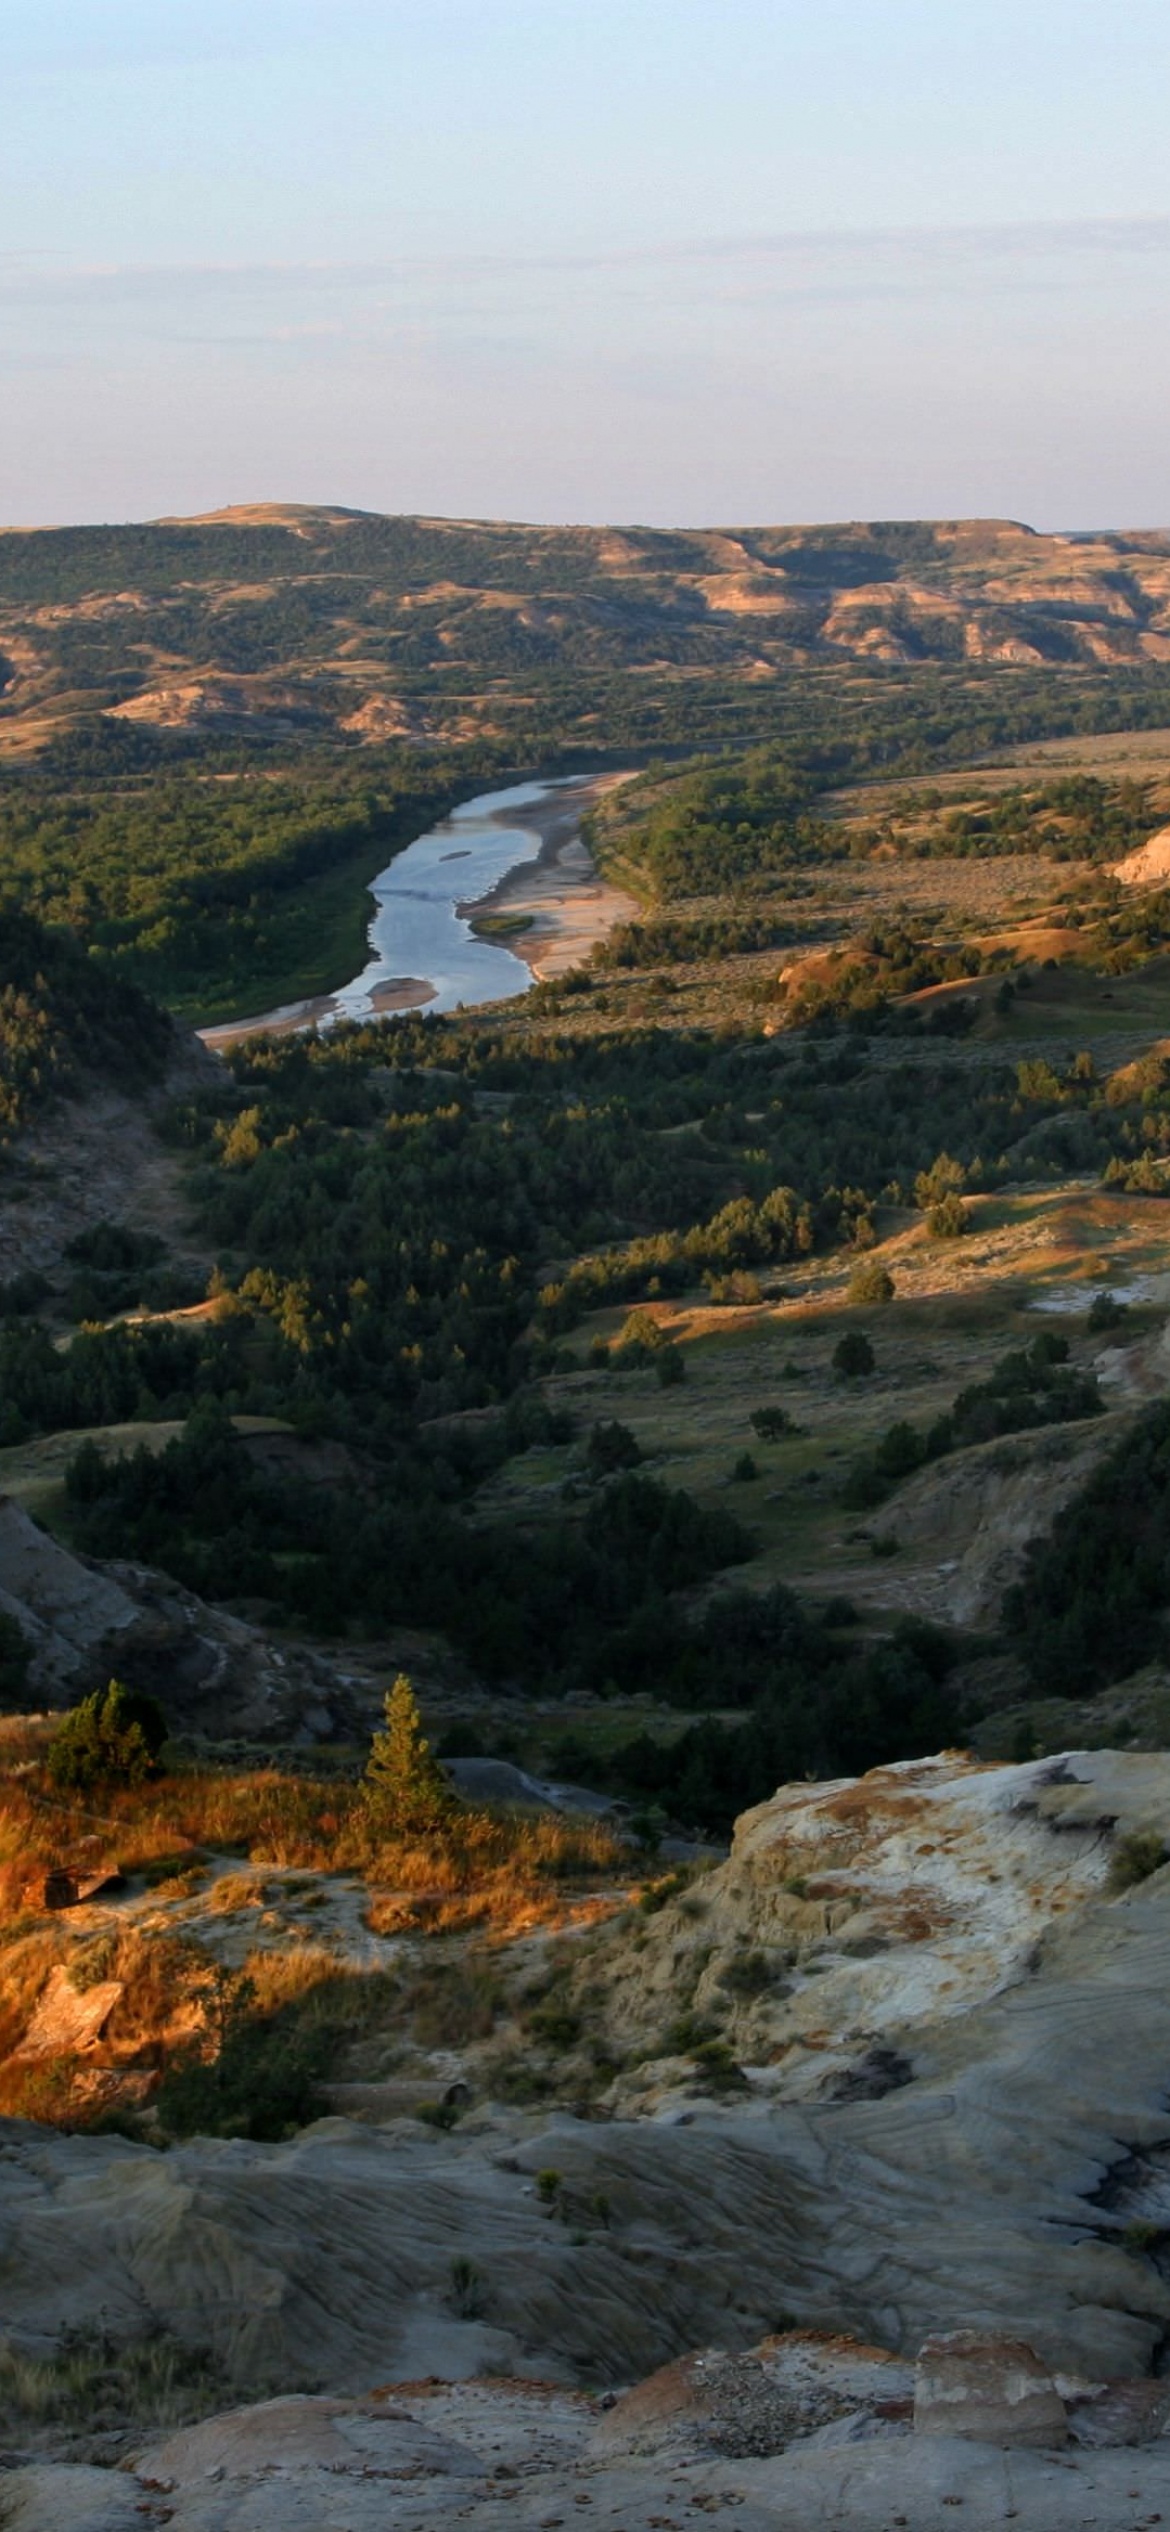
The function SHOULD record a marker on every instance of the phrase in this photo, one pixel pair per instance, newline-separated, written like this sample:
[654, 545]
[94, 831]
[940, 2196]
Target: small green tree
[611, 1447]
[948, 1219]
[853, 1357]
[945, 1177]
[771, 1422]
[406, 1793]
[111, 1738]
[870, 1282]
[642, 1333]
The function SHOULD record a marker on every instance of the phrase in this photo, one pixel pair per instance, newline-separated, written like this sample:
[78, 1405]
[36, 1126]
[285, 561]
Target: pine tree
[113, 1737]
[406, 1792]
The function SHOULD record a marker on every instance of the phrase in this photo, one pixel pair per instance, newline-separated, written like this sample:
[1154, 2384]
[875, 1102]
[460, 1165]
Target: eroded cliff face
[968, 2035]
[949, 2025]
[853, 1921]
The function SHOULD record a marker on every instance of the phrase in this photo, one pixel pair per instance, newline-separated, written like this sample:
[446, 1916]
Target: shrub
[945, 1177]
[263, 2080]
[467, 2293]
[870, 1282]
[112, 1738]
[745, 1470]
[749, 1974]
[611, 1447]
[948, 1219]
[899, 1451]
[854, 1356]
[155, 2380]
[642, 1336]
[717, 2068]
[839, 1611]
[738, 1290]
[658, 1894]
[555, 2026]
[1106, 1311]
[1135, 1857]
[689, 2033]
[670, 1366]
[771, 1422]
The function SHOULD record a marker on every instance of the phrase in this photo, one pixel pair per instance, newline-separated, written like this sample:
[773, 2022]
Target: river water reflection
[417, 931]
[423, 953]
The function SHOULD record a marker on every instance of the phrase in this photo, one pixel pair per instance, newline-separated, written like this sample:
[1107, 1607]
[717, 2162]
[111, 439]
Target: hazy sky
[659, 260]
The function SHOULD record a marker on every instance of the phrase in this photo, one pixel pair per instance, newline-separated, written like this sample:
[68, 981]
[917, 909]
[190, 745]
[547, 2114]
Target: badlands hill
[328, 622]
[950, 2117]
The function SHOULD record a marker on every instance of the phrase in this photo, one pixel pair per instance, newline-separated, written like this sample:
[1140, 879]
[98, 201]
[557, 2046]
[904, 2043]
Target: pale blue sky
[668, 260]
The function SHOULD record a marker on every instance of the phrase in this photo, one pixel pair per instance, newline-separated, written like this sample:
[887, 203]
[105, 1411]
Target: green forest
[454, 1254]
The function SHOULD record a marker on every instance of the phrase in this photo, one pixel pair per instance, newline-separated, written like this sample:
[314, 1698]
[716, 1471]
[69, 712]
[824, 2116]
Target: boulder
[67, 2021]
[993, 2390]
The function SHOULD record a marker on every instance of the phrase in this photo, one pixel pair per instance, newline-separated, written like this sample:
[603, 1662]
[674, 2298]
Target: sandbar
[395, 993]
[568, 904]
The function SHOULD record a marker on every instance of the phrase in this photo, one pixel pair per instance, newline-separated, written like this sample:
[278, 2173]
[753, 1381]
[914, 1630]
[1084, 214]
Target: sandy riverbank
[562, 904]
[568, 904]
[396, 993]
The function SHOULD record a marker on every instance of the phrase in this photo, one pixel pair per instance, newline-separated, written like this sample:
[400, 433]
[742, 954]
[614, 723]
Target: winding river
[424, 954]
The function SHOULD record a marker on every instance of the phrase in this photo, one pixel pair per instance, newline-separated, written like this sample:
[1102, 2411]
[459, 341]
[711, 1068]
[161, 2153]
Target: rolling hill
[289, 623]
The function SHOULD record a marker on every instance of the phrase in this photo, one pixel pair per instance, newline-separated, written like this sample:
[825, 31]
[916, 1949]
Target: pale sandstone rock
[991, 2390]
[525, 2460]
[377, 2438]
[879, 1909]
[65, 2022]
[982, 2193]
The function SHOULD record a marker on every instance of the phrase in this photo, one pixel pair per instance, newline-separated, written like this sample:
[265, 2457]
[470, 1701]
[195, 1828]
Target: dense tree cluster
[1029, 1388]
[1075, 819]
[199, 887]
[1091, 1604]
[64, 1018]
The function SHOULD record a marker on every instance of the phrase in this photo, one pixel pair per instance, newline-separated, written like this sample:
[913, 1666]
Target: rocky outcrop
[214, 1675]
[97, 1157]
[1149, 866]
[968, 1521]
[988, 2390]
[984, 2191]
[855, 1921]
[75, 1617]
[775, 2395]
[507, 2453]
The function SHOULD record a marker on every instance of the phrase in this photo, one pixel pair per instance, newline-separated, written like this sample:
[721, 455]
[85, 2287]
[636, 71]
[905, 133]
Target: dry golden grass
[272, 1820]
[235, 1892]
[263, 1816]
[25, 1965]
[500, 1875]
[159, 2009]
[496, 1875]
[167, 2005]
